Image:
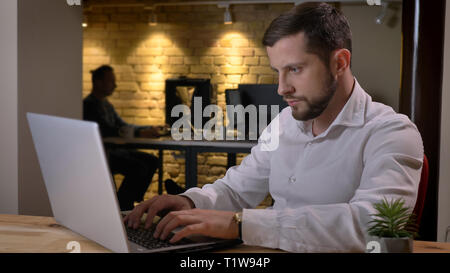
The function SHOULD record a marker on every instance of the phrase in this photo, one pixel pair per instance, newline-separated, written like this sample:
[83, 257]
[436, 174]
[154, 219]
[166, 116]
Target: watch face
[238, 217]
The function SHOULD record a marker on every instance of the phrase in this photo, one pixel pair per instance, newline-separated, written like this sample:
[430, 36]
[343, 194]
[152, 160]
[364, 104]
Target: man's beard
[316, 108]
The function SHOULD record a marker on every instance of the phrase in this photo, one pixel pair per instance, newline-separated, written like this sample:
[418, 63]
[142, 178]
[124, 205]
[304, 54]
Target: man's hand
[158, 205]
[212, 223]
[151, 132]
[155, 131]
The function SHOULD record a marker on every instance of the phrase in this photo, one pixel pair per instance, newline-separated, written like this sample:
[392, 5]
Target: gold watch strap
[238, 219]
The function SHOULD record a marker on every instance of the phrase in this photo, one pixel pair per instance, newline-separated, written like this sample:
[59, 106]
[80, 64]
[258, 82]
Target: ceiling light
[227, 16]
[152, 19]
[379, 19]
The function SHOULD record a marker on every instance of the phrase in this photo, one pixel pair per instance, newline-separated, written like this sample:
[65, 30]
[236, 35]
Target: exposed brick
[149, 51]
[161, 60]
[177, 51]
[233, 69]
[96, 60]
[126, 26]
[239, 43]
[220, 60]
[218, 79]
[93, 51]
[146, 68]
[234, 78]
[235, 60]
[176, 60]
[249, 79]
[175, 68]
[127, 86]
[238, 52]
[203, 69]
[149, 86]
[264, 61]
[191, 60]
[126, 76]
[206, 60]
[161, 42]
[261, 70]
[196, 43]
[251, 61]
[265, 79]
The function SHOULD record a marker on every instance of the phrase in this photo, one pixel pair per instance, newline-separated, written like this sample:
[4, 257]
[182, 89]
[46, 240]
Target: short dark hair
[99, 73]
[325, 28]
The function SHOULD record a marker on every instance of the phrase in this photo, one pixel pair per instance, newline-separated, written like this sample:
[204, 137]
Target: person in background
[137, 167]
[338, 153]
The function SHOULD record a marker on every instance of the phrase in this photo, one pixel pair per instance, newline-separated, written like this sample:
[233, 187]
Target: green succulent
[393, 220]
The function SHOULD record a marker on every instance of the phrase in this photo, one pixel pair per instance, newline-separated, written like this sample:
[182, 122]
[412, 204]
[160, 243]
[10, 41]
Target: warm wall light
[85, 21]
[227, 16]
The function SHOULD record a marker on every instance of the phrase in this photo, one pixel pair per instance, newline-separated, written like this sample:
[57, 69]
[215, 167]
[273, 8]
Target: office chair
[423, 184]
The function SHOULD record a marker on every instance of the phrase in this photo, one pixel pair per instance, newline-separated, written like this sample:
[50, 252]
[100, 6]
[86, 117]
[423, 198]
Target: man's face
[304, 81]
[107, 85]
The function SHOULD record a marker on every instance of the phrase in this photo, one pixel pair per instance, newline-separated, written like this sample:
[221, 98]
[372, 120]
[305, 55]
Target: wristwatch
[237, 218]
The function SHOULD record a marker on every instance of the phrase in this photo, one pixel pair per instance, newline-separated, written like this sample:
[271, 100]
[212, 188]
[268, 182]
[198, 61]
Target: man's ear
[340, 61]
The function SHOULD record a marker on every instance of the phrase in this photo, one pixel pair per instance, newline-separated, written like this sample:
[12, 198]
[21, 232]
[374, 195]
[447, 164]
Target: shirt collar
[352, 114]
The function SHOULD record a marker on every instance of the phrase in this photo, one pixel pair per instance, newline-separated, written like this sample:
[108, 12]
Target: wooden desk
[35, 234]
[191, 149]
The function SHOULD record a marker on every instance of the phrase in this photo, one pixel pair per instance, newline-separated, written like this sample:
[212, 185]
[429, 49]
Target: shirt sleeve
[243, 186]
[393, 156]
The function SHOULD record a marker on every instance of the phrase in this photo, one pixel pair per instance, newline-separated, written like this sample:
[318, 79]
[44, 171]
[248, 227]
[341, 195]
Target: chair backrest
[423, 184]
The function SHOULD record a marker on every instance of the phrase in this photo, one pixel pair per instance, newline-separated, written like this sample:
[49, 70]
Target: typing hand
[158, 205]
[212, 223]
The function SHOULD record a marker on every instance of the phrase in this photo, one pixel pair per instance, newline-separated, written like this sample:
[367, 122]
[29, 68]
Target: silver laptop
[82, 192]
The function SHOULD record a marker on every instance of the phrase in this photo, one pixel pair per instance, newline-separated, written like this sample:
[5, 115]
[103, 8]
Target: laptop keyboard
[144, 237]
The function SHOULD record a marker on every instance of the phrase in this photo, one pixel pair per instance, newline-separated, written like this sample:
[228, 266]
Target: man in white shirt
[338, 153]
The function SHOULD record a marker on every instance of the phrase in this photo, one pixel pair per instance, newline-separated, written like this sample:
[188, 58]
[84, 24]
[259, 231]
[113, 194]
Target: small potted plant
[393, 226]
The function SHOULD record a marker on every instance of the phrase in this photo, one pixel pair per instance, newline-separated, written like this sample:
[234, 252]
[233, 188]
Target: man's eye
[294, 69]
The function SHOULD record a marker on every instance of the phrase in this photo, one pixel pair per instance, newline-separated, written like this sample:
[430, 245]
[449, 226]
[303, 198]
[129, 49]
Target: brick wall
[188, 41]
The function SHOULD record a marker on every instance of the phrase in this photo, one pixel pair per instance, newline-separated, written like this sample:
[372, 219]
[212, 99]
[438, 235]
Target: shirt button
[292, 179]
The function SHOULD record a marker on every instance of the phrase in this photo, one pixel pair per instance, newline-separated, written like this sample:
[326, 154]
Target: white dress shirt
[324, 187]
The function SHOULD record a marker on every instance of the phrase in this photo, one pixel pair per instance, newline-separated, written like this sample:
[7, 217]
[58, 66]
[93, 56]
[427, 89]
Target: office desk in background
[36, 234]
[190, 147]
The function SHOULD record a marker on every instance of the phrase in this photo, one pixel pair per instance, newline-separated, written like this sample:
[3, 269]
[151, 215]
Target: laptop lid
[77, 178]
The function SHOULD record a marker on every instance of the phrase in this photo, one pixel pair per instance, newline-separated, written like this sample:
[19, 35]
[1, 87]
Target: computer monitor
[183, 91]
[259, 95]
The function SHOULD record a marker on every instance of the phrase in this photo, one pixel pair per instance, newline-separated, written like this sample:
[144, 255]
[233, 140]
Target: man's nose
[284, 87]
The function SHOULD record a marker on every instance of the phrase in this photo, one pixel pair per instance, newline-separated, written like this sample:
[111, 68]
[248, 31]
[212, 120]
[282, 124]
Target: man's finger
[153, 210]
[178, 220]
[198, 228]
[167, 218]
[134, 218]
